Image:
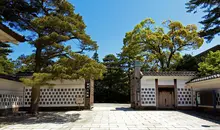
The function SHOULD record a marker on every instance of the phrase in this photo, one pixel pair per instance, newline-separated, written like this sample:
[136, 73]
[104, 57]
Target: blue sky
[108, 20]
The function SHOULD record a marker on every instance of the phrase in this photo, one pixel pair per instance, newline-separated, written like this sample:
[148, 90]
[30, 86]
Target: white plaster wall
[185, 95]
[11, 94]
[148, 92]
[63, 94]
[166, 82]
[147, 83]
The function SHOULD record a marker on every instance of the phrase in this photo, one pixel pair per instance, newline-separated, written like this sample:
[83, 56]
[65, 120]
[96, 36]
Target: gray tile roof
[9, 77]
[170, 73]
[214, 76]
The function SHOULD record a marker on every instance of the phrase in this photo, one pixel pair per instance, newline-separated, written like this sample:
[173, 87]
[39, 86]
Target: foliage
[76, 67]
[24, 63]
[210, 20]
[211, 64]
[96, 57]
[50, 24]
[187, 63]
[161, 50]
[6, 65]
[4, 49]
[114, 86]
[38, 79]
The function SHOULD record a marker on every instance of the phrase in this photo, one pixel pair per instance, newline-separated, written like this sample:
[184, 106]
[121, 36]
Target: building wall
[184, 94]
[11, 94]
[206, 90]
[148, 90]
[63, 94]
[68, 93]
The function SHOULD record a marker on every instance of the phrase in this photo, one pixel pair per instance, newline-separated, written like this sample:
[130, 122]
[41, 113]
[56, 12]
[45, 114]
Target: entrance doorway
[166, 98]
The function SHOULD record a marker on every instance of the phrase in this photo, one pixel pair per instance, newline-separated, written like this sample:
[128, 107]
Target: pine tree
[96, 56]
[51, 23]
[211, 19]
[4, 49]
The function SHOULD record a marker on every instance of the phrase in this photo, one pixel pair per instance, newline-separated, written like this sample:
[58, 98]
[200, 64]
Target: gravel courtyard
[114, 117]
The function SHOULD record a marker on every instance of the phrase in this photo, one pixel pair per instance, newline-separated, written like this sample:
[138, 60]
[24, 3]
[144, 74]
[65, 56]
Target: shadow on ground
[202, 115]
[43, 117]
[123, 109]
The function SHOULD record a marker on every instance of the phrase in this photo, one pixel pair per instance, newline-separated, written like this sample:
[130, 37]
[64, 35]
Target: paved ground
[115, 117]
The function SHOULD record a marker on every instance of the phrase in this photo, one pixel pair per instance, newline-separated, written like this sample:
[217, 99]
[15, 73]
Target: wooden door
[166, 99]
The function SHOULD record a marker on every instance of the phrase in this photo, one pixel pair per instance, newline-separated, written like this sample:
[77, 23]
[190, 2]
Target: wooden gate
[166, 98]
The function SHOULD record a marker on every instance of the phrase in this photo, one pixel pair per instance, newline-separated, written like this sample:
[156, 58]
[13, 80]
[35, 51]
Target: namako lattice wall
[11, 94]
[57, 96]
[148, 93]
[64, 94]
[184, 94]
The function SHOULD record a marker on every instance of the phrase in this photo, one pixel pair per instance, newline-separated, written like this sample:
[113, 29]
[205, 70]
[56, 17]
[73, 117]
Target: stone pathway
[115, 117]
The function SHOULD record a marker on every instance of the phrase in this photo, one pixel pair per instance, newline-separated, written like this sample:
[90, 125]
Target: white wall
[148, 90]
[165, 81]
[11, 94]
[63, 94]
[185, 95]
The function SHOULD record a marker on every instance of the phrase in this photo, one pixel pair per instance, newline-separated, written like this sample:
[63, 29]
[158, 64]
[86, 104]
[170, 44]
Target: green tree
[51, 23]
[25, 63]
[210, 20]
[211, 64]
[160, 49]
[114, 86]
[6, 65]
[96, 56]
[75, 66]
[187, 63]
[4, 49]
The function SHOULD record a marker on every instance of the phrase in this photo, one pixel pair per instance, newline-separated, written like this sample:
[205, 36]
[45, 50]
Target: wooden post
[137, 84]
[157, 93]
[175, 93]
[214, 100]
[87, 94]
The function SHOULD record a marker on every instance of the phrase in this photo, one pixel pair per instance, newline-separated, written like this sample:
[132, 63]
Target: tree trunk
[169, 60]
[35, 98]
[35, 94]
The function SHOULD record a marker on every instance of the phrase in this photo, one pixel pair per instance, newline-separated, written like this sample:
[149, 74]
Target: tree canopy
[160, 49]
[211, 64]
[6, 65]
[51, 23]
[210, 20]
[114, 86]
[187, 63]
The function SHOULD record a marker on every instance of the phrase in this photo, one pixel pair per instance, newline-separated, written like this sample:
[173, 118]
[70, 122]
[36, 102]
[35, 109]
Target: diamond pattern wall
[56, 97]
[148, 97]
[10, 101]
[184, 96]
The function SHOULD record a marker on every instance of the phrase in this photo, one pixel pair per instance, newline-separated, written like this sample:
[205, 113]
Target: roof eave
[13, 34]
